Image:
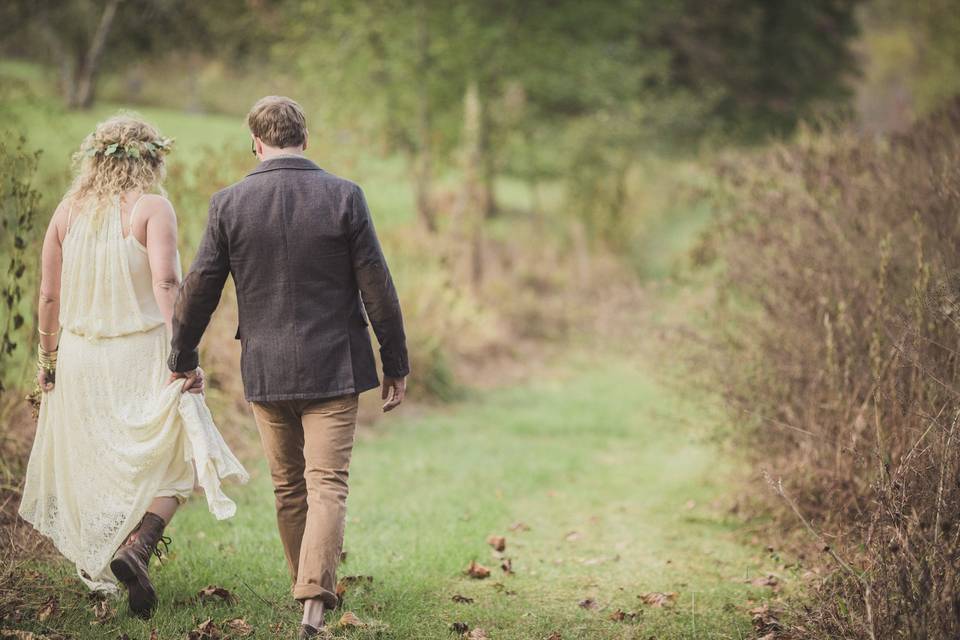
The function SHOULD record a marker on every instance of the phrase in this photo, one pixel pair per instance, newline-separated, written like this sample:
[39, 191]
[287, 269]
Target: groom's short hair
[278, 121]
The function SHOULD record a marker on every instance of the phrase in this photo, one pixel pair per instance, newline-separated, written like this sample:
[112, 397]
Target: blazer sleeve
[199, 294]
[376, 288]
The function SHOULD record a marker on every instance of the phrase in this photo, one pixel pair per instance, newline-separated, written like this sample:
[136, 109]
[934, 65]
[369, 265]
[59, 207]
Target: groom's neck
[273, 152]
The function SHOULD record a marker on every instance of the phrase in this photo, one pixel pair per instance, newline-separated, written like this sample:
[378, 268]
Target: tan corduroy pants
[308, 445]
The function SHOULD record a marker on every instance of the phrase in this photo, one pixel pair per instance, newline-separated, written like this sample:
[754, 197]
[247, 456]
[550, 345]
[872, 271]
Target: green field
[612, 472]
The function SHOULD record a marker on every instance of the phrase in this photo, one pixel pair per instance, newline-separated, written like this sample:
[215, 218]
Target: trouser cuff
[306, 591]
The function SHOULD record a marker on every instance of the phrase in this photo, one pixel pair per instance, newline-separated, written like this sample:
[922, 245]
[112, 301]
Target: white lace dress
[113, 434]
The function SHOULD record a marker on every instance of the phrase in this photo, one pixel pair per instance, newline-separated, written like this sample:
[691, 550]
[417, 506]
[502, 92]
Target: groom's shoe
[130, 562]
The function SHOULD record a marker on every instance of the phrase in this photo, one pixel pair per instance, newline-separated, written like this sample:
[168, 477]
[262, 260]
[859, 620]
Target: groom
[309, 272]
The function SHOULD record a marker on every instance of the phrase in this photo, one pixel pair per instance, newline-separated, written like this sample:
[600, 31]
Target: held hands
[393, 391]
[195, 381]
[45, 380]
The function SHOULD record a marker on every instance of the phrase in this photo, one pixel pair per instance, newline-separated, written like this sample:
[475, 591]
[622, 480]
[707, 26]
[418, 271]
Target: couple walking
[121, 441]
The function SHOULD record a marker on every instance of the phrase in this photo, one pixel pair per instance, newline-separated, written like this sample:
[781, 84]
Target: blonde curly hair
[123, 153]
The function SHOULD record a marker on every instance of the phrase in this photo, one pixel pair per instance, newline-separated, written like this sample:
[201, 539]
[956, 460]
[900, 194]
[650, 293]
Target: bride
[119, 445]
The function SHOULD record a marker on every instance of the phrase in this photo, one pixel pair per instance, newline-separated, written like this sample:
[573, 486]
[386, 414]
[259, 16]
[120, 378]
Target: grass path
[613, 474]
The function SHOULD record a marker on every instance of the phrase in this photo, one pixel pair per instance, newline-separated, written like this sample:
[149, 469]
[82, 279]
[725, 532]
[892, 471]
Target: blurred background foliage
[530, 162]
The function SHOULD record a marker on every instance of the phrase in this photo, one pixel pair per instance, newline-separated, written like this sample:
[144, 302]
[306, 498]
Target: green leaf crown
[135, 149]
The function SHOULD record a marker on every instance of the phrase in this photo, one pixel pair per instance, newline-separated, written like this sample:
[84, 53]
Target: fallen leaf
[770, 581]
[554, 636]
[349, 620]
[588, 603]
[497, 542]
[345, 583]
[477, 571]
[765, 621]
[519, 526]
[459, 599]
[239, 626]
[624, 616]
[477, 634]
[459, 627]
[49, 608]
[155, 634]
[19, 634]
[507, 566]
[102, 611]
[213, 593]
[573, 536]
[206, 630]
[658, 598]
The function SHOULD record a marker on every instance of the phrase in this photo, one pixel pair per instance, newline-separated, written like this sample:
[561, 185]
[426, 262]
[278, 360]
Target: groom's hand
[393, 391]
[195, 382]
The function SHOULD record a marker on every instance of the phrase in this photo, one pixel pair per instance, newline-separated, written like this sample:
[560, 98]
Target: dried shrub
[838, 332]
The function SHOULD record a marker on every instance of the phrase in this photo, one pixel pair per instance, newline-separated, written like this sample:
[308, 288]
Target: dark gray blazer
[302, 249]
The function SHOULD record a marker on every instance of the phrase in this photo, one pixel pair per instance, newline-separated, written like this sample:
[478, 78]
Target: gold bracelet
[46, 359]
[44, 333]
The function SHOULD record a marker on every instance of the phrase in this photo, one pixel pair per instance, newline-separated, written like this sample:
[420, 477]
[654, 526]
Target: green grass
[600, 449]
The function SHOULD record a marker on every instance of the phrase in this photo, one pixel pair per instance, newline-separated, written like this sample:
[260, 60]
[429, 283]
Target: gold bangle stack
[47, 360]
[48, 333]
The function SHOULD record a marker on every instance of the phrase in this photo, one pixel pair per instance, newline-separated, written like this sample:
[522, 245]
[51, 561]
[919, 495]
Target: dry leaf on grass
[49, 609]
[624, 616]
[239, 626]
[477, 634]
[507, 566]
[573, 536]
[459, 628]
[213, 593]
[477, 571]
[497, 542]
[459, 599]
[347, 582]
[206, 630]
[519, 526]
[588, 603]
[349, 620]
[770, 581]
[658, 598]
[554, 636]
[19, 634]
[765, 621]
[155, 634]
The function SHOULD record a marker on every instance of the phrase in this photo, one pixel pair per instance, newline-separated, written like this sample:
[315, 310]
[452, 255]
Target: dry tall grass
[839, 326]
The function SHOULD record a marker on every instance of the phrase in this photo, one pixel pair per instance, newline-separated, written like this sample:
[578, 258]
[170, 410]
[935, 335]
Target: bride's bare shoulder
[152, 206]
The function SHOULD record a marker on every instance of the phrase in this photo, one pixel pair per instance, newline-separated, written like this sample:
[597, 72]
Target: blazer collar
[286, 162]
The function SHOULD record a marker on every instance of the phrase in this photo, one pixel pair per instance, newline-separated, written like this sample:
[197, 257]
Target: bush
[19, 205]
[839, 314]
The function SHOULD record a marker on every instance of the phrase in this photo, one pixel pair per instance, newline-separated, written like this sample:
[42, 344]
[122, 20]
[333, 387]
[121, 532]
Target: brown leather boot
[130, 562]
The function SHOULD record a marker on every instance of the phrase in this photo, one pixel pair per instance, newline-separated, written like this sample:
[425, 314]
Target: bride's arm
[48, 307]
[161, 232]
[161, 229]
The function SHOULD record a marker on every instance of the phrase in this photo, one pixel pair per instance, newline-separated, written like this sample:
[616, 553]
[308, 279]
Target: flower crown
[152, 148]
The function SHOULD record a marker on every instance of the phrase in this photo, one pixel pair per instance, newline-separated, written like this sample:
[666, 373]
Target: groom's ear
[306, 138]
